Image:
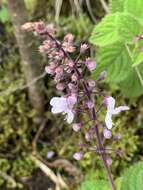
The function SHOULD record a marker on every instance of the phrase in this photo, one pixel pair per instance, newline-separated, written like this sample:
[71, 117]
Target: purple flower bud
[49, 70]
[83, 48]
[78, 156]
[70, 63]
[69, 38]
[74, 77]
[117, 137]
[77, 126]
[109, 161]
[90, 104]
[60, 86]
[90, 64]
[103, 75]
[107, 133]
[50, 154]
[59, 70]
[91, 83]
[39, 27]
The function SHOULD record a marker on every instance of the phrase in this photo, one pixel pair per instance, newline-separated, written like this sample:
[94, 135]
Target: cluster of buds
[70, 79]
[78, 91]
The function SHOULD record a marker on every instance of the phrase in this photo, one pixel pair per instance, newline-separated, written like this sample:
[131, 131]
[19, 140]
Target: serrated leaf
[129, 27]
[138, 59]
[133, 178]
[135, 7]
[106, 32]
[115, 60]
[116, 6]
[131, 86]
[115, 27]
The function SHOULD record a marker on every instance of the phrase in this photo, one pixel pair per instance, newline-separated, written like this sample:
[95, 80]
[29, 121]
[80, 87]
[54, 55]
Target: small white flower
[111, 110]
[64, 105]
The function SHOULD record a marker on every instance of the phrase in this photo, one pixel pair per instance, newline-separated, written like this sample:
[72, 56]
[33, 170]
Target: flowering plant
[78, 92]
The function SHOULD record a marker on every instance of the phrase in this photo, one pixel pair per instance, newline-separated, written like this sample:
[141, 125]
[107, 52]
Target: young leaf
[138, 59]
[133, 178]
[135, 7]
[115, 60]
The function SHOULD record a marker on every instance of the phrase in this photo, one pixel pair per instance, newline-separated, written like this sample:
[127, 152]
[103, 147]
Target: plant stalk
[93, 113]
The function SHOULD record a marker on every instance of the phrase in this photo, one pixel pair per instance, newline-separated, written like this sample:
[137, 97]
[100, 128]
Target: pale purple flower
[64, 105]
[78, 156]
[50, 154]
[112, 110]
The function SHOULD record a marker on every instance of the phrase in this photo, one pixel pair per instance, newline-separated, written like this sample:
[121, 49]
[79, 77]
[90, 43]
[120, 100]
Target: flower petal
[108, 120]
[110, 103]
[55, 110]
[120, 109]
[69, 117]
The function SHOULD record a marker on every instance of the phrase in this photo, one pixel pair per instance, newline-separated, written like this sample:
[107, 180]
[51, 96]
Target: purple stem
[93, 113]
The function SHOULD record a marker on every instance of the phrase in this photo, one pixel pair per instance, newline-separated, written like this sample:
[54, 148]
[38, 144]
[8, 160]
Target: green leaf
[115, 60]
[131, 86]
[115, 27]
[116, 5]
[135, 7]
[128, 27]
[95, 185]
[138, 59]
[133, 178]
[106, 32]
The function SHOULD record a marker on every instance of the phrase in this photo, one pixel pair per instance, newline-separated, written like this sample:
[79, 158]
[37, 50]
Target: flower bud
[74, 77]
[103, 75]
[69, 38]
[39, 27]
[83, 48]
[90, 104]
[77, 126]
[107, 133]
[59, 70]
[91, 65]
[60, 86]
[49, 70]
[91, 83]
[109, 161]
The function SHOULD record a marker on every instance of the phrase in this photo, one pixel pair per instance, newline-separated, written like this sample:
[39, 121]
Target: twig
[90, 11]
[34, 143]
[60, 184]
[105, 6]
[58, 6]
